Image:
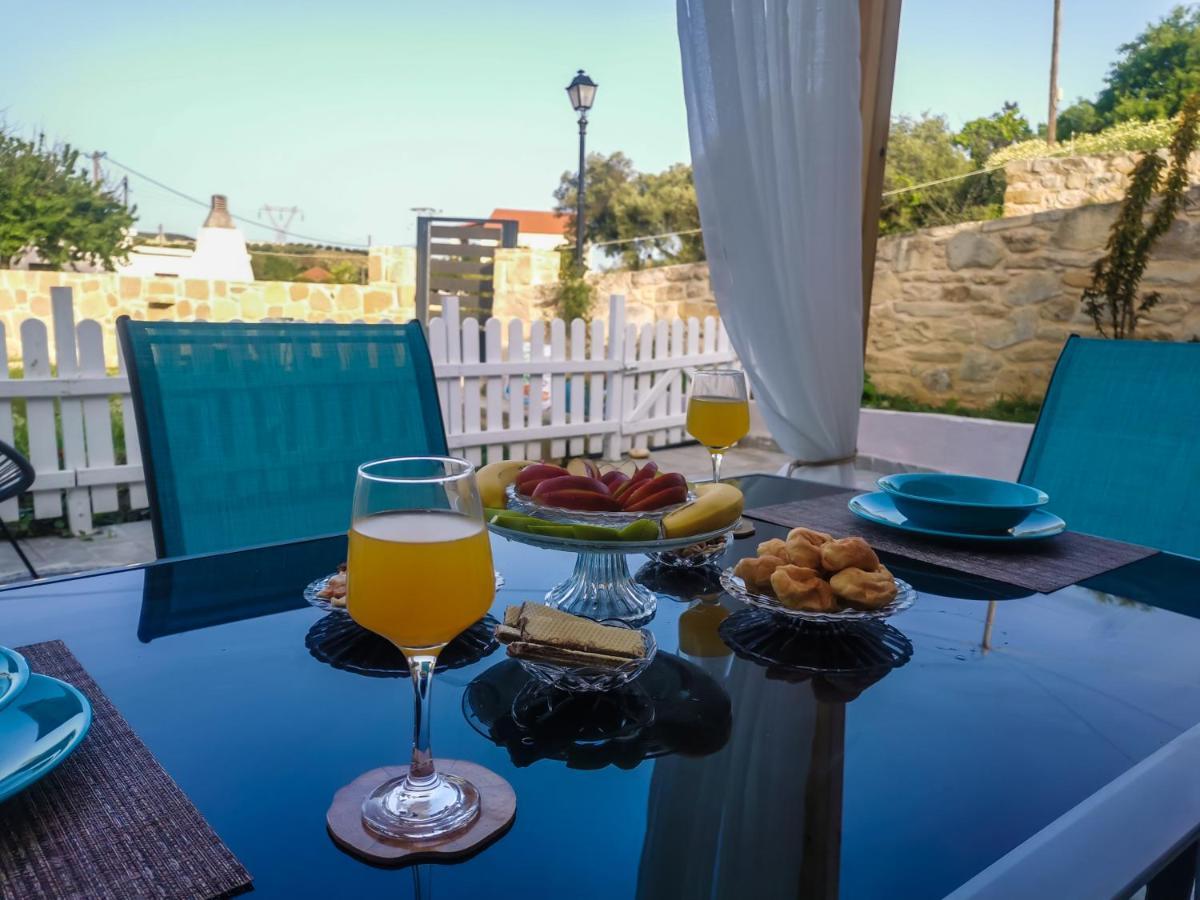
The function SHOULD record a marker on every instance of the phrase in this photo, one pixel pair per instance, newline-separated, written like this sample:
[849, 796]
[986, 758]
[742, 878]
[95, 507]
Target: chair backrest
[252, 433]
[1117, 443]
[16, 472]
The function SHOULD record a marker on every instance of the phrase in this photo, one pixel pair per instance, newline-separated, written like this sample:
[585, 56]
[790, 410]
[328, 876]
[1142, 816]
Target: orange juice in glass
[718, 413]
[419, 573]
[419, 578]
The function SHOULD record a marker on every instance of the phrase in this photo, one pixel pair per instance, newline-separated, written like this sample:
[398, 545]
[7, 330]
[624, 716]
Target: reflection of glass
[841, 661]
[698, 630]
[339, 641]
[674, 707]
[718, 413]
[420, 572]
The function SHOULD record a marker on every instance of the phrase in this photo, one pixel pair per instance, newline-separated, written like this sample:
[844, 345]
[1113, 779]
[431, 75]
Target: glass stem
[421, 772]
[717, 456]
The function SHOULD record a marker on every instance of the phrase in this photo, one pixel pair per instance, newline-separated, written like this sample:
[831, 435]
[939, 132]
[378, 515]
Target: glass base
[602, 588]
[396, 810]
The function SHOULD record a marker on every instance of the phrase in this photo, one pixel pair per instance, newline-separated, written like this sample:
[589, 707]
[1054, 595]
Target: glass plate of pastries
[574, 653]
[813, 576]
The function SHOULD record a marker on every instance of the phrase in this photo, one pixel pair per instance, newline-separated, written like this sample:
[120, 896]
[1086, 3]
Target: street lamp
[582, 93]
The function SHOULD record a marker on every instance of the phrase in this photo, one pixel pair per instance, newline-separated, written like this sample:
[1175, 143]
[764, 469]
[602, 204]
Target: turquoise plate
[38, 730]
[14, 672]
[878, 507]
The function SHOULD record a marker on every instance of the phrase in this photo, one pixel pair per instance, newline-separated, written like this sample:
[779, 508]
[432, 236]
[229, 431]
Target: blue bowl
[963, 503]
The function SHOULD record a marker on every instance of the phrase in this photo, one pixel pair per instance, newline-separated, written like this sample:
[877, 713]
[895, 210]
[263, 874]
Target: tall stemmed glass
[718, 413]
[420, 572]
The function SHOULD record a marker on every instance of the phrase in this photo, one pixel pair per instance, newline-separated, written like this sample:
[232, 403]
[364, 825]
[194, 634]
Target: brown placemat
[1043, 566]
[108, 822]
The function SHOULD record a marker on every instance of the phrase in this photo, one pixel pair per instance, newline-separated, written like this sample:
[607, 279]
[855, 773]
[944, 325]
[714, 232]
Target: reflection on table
[673, 707]
[337, 640]
[790, 685]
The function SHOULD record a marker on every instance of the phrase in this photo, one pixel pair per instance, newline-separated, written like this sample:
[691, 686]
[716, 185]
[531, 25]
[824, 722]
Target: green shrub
[1122, 137]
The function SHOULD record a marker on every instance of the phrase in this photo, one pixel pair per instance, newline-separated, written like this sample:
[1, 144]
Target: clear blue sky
[358, 110]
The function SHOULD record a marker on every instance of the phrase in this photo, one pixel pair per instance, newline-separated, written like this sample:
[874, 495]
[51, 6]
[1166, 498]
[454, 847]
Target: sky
[358, 111]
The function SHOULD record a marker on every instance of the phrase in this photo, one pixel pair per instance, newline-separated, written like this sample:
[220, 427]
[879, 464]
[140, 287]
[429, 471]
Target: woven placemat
[1044, 565]
[108, 822]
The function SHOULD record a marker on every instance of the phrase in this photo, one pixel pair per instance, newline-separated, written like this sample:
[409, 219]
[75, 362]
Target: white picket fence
[589, 389]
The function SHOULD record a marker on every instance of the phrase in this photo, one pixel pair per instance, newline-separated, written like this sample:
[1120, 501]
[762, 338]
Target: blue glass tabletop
[897, 762]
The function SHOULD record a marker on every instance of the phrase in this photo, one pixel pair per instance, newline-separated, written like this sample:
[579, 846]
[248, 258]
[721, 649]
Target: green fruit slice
[595, 533]
[513, 521]
[559, 531]
[641, 530]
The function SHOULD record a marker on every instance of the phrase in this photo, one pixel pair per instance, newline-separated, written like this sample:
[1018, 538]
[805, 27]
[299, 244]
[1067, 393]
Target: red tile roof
[534, 221]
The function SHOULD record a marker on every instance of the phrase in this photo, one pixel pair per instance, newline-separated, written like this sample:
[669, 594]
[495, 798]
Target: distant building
[220, 252]
[538, 229]
[317, 274]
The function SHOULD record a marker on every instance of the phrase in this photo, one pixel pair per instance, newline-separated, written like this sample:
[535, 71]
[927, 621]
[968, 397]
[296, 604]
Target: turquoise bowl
[964, 503]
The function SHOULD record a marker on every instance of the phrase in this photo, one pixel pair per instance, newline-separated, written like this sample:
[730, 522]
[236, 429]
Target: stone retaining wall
[1036, 185]
[981, 310]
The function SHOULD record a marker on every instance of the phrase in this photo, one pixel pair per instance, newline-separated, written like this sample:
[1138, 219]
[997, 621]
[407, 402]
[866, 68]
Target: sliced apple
[530, 476]
[667, 496]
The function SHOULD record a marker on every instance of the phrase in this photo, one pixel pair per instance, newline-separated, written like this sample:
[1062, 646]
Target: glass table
[899, 763]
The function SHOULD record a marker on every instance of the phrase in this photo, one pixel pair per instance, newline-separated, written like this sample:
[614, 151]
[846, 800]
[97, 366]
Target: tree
[1078, 118]
[623, 203]
[48, 204]
[1112, 298]
[982, 137]
[920, 150]
[1156, 71]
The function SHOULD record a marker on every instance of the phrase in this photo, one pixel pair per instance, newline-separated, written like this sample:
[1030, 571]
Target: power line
[645, 237]
[917, 187]
[204, 203]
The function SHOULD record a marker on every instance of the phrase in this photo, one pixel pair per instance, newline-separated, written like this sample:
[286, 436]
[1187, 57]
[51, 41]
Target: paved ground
[115, 545]
[132, 543]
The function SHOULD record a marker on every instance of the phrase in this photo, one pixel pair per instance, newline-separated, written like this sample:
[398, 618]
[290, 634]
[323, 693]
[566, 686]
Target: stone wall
[1036, 185]
[105, 297]
[665, 292]
[981, 310]
[525, 281]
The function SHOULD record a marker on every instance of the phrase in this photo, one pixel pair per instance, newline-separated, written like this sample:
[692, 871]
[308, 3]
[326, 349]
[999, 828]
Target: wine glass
[419, 573]
[718, 413]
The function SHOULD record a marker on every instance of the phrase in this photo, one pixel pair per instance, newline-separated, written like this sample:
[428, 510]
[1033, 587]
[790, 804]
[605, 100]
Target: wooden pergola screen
[880, 29]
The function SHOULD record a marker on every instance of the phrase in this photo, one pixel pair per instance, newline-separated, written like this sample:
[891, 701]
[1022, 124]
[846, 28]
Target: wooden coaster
[743, 529]
[497, 809]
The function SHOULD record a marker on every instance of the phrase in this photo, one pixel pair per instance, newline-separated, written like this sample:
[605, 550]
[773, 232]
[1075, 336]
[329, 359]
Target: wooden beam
[879, 22]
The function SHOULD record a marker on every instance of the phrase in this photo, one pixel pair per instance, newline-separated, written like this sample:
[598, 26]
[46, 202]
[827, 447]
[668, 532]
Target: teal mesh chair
[252, 433]
[1117, 443]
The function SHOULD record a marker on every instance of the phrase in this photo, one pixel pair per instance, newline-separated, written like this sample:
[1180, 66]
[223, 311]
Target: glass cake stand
[601, 586]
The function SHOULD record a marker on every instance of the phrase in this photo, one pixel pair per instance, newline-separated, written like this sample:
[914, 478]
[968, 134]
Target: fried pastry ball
[756, 572]
[800, 552]
[816, 538]
[851, 552]
[798, 587]
[864, 590]
[773, 547]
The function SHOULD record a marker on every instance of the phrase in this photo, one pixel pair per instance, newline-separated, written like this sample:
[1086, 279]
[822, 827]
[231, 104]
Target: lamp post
[582, 92]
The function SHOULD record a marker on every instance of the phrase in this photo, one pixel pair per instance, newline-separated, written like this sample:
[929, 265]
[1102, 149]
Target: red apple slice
[570, 482]
[531, 475]
[578, 498]
[668, 496]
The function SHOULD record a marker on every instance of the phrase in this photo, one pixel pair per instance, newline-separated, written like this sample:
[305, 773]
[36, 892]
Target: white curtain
[772, 90]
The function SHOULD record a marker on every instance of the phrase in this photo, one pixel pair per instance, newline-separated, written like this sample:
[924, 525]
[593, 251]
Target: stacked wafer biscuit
[538, 633]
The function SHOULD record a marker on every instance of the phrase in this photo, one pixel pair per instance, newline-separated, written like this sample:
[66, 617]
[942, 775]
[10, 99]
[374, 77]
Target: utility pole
[280, 218]
[125, 191]
[96, 157]
[1052, 116]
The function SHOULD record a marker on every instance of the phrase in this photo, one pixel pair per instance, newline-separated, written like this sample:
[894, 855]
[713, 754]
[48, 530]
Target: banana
[495, 477]
[715, 506]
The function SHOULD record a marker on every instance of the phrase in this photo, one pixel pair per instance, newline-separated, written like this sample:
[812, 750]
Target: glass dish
[905, 595]
[695, 555]
[581, 679]
[522, 504]
[313, 591]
